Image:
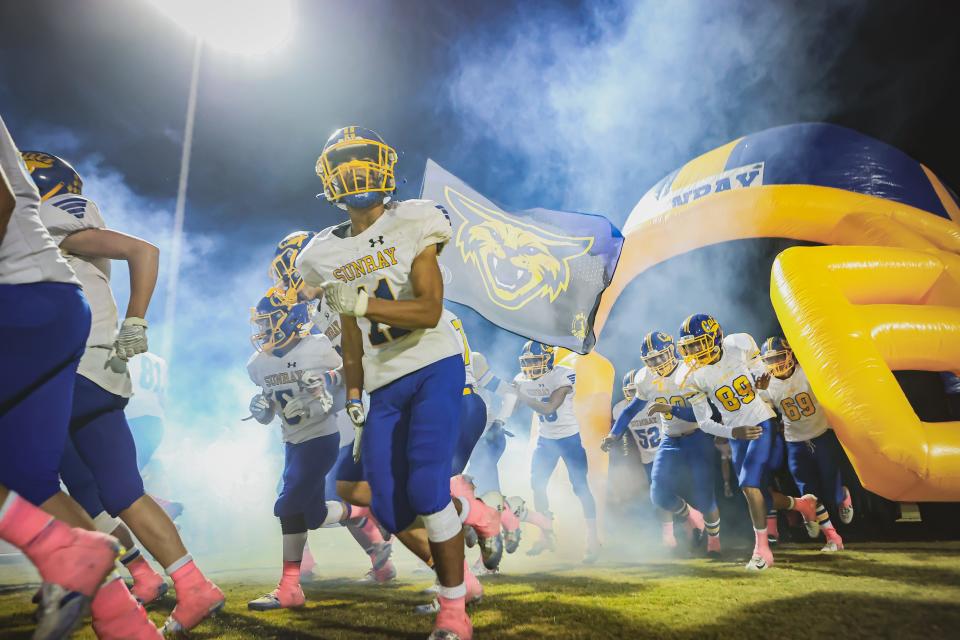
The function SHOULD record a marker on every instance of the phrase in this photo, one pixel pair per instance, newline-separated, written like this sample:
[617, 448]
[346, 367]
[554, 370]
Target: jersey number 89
[742, 393]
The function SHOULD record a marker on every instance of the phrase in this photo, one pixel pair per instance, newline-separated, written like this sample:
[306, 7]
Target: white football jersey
[728, 384]
[562, 422]
[326, 321]
[666, 389]
[27, 252]
[148, 373]
[452, 323]
[64, 215]
[645, 431]
[803, 419]
[279, 377]
[379, 259]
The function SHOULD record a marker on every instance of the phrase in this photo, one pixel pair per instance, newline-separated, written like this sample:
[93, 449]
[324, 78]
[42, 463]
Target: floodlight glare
[245, 27]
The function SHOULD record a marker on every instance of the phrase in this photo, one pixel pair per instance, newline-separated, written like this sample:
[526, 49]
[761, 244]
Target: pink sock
[372, 531]
[763, 543]
[667, 528]
[509, 520]
[140, 569]
[112, 599]
[537, 519]
[291, 573]
[21, 522]
[185, 576]
[359, 512]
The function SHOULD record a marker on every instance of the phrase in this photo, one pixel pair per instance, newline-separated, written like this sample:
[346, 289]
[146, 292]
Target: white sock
[452, 593]
[293, 546]
[177, 564]
[335, 511]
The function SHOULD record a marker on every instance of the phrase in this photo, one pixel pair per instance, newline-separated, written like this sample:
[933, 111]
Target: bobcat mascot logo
[517, 262]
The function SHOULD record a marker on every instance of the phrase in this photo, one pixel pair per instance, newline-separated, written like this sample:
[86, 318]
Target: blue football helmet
[537, 359]
[658, 353]
[52, 175]
[356, 168]
[282, 269]
[629, 391]
[778, 357]
[278, 326]
[701, 340]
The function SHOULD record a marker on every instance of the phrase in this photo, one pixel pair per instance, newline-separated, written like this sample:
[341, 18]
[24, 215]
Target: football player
[813, 453]
[684, 449]
[47, 313]
[98, 428]
[646, 434]
[723, 370]
[547, 387]
[345, 472]
[297, 373]
[379, 270]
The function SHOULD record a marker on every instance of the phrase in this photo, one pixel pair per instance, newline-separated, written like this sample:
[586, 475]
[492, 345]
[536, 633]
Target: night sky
[570, 105]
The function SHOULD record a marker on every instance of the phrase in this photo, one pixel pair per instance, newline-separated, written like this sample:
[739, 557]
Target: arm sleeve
[704, 415]
[684, 413]
[435, 227]
[65, 216]
[629, 413]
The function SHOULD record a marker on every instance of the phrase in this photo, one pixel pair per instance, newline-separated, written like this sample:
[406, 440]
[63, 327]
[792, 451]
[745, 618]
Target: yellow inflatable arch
[881, 295]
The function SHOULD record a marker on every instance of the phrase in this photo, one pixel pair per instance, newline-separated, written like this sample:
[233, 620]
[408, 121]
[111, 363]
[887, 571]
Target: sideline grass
[897, 590]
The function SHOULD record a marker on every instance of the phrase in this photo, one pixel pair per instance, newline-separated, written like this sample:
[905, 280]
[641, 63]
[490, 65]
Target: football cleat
[846, 507]
[713, 547]
[383, 575]
[760, 560]
[118, 616]
[380, 554]
[807, 507]
[700, 341]
[694, 525]
[478, 569]
[545, 543]
[834, 541]
[470, 537]
[147, 594]
[659, 353]
[59, 611]
[668, 540]
[283, 597]
[200, 600]
[511, 540]
[75, 559]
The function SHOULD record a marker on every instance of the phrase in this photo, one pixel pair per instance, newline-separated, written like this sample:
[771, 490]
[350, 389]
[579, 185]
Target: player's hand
[747, 433]
[345, 299]
[312, 381]
[762, 381]
[261, 408]
[659, 407]
[607, 443]
[357, 417]
[131, 339]
[297, 407]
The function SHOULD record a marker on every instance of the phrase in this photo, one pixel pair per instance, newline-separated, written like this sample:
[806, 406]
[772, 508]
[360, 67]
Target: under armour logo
[373, 242]
[291, 365]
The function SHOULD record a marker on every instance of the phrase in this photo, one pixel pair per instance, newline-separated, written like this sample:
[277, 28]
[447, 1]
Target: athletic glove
[297, 407]
[315, 384]
[357, 417]
[344, 298]
[131, 339]
[261, 408]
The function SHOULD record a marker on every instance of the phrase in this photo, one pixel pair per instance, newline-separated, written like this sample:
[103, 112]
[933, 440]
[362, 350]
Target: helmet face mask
[629, 390]
[778, 357]
[277, 325]
[536, 360]
[700, 340]
[658, 353]
[357, 168]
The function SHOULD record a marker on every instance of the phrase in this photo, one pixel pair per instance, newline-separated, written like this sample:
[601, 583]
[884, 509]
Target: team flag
[538, 273]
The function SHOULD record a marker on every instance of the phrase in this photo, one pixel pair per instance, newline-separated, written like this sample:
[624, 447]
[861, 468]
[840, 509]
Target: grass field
[896, 590]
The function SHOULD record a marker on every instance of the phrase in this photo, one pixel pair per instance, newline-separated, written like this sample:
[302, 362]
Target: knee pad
[443, 525]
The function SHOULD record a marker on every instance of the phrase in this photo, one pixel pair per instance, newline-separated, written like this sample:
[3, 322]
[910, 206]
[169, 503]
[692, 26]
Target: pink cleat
[474, 588]
[285, 596]
[148, 585]
[846, 507]
[118, 616]
[75, 559]
[667, 538]
[197, 598]
[511, 529]
[834, 541]
[807, 507]
[452, 622]
[694, 523]
[382, 575]
[484, 519]
[713, 546]
[773, 530]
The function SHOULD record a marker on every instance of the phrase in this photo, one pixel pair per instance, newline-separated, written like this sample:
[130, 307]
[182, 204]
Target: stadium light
[244, 27]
